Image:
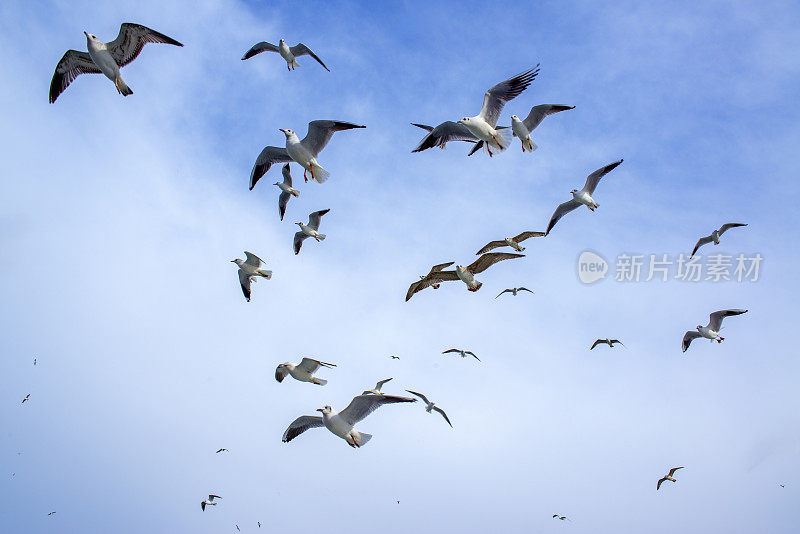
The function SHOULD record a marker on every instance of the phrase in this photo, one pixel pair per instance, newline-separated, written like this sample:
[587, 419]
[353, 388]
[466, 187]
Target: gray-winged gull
[711, 331]
[309, 230]
[715, 235]
[289, 53]
[522, 128]
[431, 406]
[303, 371]
[287, 191]
[670, 476]
[249, 269]
[513, 242]
[377, 389]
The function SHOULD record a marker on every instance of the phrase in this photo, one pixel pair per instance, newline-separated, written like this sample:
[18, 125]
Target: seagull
[377, 389]
[209, 501]
[259, 524]
[303, 152]
[248, 269]
[463, 353]
[514, 291]
[431, 406]
[584, 196]
[342, 423]
[668, 477]
[482, 127]
[711, 331]
[609, 342]
[51, 513]
[221, 450]
[106, 58]
[782, 485]
[303, 371]
[715, 235]
[237, 527]
[309, 230]
[28, 396]
[522, 128]
[394, 357]
[287, 191]
[34, 362]
[513, 242]
[289, 53]
[561, 517]
[465, 274]
[429, 280]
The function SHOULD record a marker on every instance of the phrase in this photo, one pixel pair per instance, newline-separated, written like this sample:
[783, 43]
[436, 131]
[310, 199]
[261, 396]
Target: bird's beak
[86, 34]
[233, 261]
[281, 129]
[320, 410]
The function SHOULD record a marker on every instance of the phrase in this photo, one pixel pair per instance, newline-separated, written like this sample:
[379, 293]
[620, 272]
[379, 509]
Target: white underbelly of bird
[483, 131]
[586, 199]
[305, 159]
[467, 277]
[521, 132]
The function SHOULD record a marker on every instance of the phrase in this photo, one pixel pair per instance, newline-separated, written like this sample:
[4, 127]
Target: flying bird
[609, 342]
[28, 396]
[483, 126]
[289, 53]
[429, 280]
[710, 331]
[303, 152]
[248, 270]
[394, 357]
[584, 196]
[34, 362]
[669, 477]
[309, 230]
[209, 501]
[287, 191]
[514, 291]
[341, 424]
[561, 517]
[462, 352]
[513, 242]
[465, 274]
[106, 58]
[302, 371]
[715, 235]
[237, 527]
[522, 128]
[377, 389]
[221, 450]
[431, 406]
[51, 513]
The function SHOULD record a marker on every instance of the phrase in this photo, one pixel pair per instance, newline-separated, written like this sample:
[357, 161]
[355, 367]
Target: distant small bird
[209, 501]
[248, 270]
[711, 331]
[237, 527]
[463, 353]
[431, 406]
[669, 477]
[303, 371]
[561, 517]
[394, 357]
[287, 191]
[398, 502]
[514, 291]
[465, 274]
[106, 58]
[377, 389]
[522, 128]
[584, 196]
[309, 230]
[289, 53]
[259, 524]
[221, 450]
[51, 513]
[782, 485]
[28, 396]
[34, 362]
[609, 342]
[513, 242]
[715, 235]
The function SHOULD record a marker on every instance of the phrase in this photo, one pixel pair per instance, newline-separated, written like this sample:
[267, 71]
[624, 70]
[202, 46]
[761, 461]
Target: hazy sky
[119, 217]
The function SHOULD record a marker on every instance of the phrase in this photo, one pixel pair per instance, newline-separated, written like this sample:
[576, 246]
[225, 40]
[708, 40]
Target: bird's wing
[672, 471]
[561, 210]
[283, 200]
[715, 319]
[280, 373]
[524, 289]
[253, 260]
[302, 50]
[427, 281]
[380, 384]
[593, 179]
[298, 241]
[202, 506]
[451, 350]
[725, 227]
[700, 242]
[420, 395]
[528, 234]
[491, 245]
[597, 343]
[320, 132]
[131, 39]
[212, 497]
[538, 113]
[616, 341]
[659, 482]
[314, 218]
[363, 405]
[472, 354]
[444, 133]
[72, 64]
[437, 409]
[438, 267]
[309, 364]
[300, 425]
[504, 291]
[487, 260]
[244, 280]
[496, 97]
[688, 337]
[257, 48]
[423, 126]
[287, 175]
[268, 156]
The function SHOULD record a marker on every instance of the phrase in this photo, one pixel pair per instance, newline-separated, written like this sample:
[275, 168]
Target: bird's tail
[363, 438]
[501, 141]
[318, 173]
[320, 237]
[320, 381]
[122, 87]
[477, 287]
[265, 274]
[529, 145]
[295, 193]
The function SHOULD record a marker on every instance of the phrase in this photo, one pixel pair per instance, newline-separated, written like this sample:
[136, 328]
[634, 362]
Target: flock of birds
[481, 130]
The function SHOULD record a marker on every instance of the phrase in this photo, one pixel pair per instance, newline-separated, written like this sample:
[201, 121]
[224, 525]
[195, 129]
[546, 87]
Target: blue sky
[118, 219]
